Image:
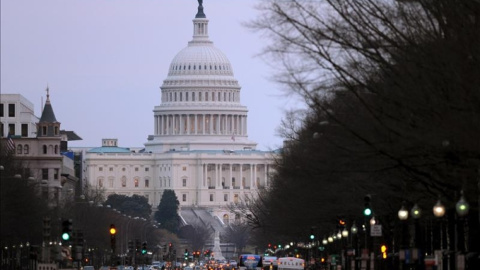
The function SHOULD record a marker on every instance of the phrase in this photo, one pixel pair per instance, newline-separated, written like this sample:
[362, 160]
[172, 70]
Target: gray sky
[104, 61]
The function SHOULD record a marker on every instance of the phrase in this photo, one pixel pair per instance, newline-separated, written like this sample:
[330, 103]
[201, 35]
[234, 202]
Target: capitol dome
[200, 59]
[200, 106]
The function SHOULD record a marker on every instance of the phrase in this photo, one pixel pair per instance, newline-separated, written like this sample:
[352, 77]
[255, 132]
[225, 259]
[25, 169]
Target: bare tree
[197, 234]
[394, 106]
[238, 233]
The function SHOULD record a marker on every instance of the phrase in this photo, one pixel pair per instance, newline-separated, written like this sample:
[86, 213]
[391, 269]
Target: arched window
[56, 149]
[19, 149]
[124, 181]
[26, 149]
[100, 182]
[225, 219]
[44, 147]
[135, 181]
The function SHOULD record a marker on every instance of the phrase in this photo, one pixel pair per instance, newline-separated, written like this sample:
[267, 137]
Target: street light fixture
[354, 228]
[345, 232]
[416, 212]
[462, 206]
[439, 209]
[403, 212]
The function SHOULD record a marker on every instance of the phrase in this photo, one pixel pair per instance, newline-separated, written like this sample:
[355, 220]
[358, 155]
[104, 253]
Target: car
[88, 267]
[233, 263]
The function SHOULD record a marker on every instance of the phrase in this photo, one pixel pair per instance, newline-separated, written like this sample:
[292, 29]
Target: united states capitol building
[200, 146]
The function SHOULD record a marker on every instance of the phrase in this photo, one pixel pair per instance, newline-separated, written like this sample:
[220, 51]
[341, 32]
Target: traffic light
[186, 254]
[46, 229]
[137, 245]
[144, 248]
[383, 249]
[367, 211]
[113, 232]
[67, 230]
[341, 223]
[79, 239]
[130, 246]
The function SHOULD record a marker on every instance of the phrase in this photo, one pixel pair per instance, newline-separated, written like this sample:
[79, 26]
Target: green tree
[22, 208]
[135, 206]
[167, 213]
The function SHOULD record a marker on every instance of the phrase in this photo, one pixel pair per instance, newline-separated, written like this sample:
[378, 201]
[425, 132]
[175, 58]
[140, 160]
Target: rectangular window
[11, 129]
[11, 110]
[225, 197]
[55, 174]
[184, 182]
[24, 130]
[136, 182]
[110, 169]
[136, 169]
[110, 182]
[100, 169]
[1, 110]
[146, 183]
[184, 197]
[146, 169]
[44, 131]
[184, 168]
[44, 174]
[211, 197]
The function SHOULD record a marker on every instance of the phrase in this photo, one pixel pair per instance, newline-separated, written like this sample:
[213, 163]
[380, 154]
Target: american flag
[10, 144]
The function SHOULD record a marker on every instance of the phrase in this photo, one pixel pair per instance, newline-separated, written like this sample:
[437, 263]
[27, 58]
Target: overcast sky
[105, 60]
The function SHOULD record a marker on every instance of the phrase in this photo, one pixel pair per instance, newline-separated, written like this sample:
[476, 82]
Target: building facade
[200, 146]
[40, 145]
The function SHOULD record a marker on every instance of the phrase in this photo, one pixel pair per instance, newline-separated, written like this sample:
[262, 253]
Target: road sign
[376, 230]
